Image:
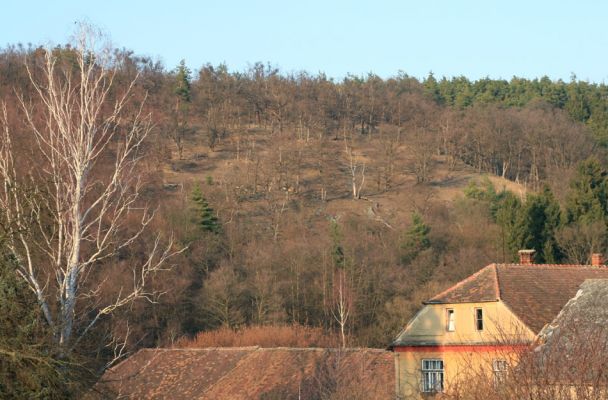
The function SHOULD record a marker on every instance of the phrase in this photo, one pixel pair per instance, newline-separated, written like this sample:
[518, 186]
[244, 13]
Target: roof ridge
[260, 348]
[585, 266]
[235, 348]
[462, 282]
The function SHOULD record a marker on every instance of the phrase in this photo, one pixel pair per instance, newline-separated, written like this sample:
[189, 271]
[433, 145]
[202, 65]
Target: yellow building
[482, 323]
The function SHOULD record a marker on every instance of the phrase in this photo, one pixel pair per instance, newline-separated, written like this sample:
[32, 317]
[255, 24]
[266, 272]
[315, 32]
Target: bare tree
[86, 188]
[578, 241]
[355, 169]
[342, 304]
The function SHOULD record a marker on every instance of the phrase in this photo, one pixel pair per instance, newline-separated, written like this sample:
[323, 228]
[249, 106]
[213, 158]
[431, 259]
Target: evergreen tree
[588, 197]
[530, 225]
[337, 251]
[578, 103]
[416, 239]
[506, 217]
[432, 88]
[537, 224]
[182, 82]
[204, 216]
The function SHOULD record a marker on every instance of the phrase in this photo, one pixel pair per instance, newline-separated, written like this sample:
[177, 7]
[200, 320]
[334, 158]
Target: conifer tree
[507, 212]
[532, 224]
[416, 239]
[337, 251]
[588, 198]
[204, 215]
[537, 224]
[182, 82]
[179, 126]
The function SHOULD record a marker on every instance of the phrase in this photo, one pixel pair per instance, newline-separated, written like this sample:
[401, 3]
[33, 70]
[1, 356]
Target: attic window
[479, 319]
[450, 320]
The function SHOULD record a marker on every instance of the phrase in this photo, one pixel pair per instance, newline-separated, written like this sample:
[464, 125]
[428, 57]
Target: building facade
[482, 324]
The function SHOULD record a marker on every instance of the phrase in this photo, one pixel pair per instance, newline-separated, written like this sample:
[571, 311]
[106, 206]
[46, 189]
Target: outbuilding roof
[249, 373]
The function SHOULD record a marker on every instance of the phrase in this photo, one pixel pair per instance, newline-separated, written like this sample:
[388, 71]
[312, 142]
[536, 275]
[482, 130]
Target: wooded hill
[299, 199]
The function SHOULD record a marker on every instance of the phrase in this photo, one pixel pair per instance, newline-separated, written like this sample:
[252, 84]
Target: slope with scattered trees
[282, 198]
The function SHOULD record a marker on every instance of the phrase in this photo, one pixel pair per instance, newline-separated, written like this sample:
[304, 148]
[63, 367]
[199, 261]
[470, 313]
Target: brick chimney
[526, 257]
[597, 259]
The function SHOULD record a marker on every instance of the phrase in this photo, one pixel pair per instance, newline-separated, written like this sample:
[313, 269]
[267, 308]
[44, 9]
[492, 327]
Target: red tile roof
[535, 293]
[250, 373]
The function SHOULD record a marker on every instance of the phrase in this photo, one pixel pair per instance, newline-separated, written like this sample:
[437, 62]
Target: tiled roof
[535, 293]
[479, 287]
[249, 373]
[168, 373]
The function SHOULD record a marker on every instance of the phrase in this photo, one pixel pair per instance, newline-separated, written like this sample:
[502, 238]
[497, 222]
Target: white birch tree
[85, 188]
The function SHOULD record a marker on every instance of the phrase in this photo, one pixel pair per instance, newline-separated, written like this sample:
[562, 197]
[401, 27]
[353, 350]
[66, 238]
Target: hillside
[323, 169]
[285, 203]
[256, 198]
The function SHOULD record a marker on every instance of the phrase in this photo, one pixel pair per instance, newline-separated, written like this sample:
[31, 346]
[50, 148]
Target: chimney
[597, 259]
[526, 257]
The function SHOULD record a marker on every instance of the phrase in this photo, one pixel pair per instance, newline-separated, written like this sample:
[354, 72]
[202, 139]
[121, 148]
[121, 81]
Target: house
[483, 322]
[250, 373]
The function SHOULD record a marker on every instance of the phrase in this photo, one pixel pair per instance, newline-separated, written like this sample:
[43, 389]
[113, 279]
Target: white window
[432, 376]
[479, 319]
[450, 320]
[499, 368]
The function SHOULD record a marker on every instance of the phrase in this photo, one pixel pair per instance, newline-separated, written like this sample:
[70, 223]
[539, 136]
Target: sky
[477, 39]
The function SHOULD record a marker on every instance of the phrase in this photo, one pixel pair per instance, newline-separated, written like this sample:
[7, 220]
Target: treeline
[517, 129]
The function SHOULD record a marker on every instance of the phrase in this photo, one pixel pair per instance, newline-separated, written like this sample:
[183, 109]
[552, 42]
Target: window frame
[479, 320]
[450, 312]
[500, 370]
[436, 375]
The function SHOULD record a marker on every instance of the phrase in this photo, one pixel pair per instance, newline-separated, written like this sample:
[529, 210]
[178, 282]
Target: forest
[208, 199]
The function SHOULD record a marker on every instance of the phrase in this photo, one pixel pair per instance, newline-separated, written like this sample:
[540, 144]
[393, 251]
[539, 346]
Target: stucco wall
[459, 364]
[429, 325]
[463, 351]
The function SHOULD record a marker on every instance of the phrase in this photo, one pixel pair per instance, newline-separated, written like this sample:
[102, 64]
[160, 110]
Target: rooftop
[534, 292]
[249, 373]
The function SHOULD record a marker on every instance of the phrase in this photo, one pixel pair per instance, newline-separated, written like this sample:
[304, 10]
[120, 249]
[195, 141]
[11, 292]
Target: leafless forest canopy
[300, 199]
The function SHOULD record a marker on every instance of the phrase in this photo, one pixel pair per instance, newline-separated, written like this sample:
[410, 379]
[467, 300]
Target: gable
[429, 326]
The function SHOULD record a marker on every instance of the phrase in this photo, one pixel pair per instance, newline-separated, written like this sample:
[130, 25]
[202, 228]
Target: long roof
[534, 292]
[248, 373]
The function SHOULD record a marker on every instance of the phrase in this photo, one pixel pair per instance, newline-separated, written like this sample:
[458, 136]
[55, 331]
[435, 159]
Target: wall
[462, 351]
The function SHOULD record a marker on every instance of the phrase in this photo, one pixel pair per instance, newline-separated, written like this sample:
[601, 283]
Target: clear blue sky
[498, 39]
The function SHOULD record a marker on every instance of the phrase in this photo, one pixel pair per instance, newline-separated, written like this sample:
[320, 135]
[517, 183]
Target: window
[450, 320]
[499, 368]
[479, 319]
[432, 376]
